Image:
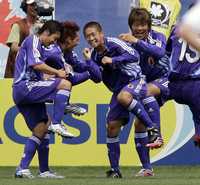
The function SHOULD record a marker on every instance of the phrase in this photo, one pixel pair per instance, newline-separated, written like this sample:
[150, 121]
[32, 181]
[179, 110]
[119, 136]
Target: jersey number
[192, 56]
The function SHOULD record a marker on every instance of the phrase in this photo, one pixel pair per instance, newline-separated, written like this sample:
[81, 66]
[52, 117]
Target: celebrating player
[30, 91]
[121, 73]
[155, 66]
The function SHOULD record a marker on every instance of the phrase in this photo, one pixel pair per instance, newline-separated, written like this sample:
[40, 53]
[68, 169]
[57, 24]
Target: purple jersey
[185, 60]
[153, 62]
[55, 58]
[28, 56]
[125, 64]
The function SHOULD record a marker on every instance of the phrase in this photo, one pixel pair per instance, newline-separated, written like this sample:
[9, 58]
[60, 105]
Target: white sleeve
[192, 18]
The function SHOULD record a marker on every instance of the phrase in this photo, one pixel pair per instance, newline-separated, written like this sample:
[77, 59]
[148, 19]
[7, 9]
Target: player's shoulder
[30, 41]
[156, 34]
[114, 41]
[155, 37]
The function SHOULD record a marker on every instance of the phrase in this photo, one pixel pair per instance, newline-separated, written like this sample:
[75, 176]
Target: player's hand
[87, 53]
[182, 29]
[47, 76]
[68, 69]
[61, 74]
[128, 37]
[106, 60]
[196, 139]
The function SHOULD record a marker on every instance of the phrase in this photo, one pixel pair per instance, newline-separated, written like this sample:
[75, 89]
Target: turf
[164, 175]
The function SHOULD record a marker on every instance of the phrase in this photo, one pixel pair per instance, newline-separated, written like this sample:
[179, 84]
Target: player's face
[94, 37]
[51, 39]
[140, 31]
[70, 42]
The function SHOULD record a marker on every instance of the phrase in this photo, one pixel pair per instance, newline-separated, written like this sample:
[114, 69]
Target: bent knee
[153, 90]
[64, 84]
[113, 130]
[124, 98]
[139, 126]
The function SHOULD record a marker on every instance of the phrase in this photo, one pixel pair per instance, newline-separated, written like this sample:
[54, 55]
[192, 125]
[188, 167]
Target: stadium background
[89, 148]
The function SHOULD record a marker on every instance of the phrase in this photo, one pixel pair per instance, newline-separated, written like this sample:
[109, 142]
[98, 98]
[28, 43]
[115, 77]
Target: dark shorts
[33, 114]
[30, 99]
[116, 111]
[35, 91]
[188, 92]
[162, 84]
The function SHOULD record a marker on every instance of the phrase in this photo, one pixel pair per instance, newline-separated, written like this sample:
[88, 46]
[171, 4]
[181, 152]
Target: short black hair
[140, 15]
[92, 24]
[70, 29]
[51, 26]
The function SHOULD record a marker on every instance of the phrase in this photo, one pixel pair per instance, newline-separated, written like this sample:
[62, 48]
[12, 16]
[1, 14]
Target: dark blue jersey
[125, 64]
[153, 61]
[56, 58]
[185, 60]
[29, 55]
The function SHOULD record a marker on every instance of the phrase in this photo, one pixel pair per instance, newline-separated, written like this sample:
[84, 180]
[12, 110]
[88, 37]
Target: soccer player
[155, 66]
[164, 13]
[61, 55]
[185, 79]
[30, 92]
[121, 73]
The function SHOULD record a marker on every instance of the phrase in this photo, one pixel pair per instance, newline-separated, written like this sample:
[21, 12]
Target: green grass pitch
[164, 175]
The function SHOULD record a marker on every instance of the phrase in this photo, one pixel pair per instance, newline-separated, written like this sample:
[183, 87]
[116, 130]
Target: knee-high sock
[141, 139]
[60, 101]
[43, 154]
[153, 109]
[138, 109]
[113, 152]
[29, 151]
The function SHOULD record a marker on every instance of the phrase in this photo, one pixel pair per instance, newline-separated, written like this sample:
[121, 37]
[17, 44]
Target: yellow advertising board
[89, 147]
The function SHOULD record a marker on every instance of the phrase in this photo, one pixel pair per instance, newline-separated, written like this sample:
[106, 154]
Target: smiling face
[139, 22]
[94, 37]
[140, 30]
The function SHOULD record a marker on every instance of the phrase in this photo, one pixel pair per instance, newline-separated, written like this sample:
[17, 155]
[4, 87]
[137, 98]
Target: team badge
[160, 14]
[130, 86]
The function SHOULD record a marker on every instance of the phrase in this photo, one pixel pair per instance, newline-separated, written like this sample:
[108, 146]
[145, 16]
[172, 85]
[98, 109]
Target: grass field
[164, 175]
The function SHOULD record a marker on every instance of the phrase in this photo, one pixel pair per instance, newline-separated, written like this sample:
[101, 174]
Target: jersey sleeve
[33, 51]
[126, 52]
[154, 47]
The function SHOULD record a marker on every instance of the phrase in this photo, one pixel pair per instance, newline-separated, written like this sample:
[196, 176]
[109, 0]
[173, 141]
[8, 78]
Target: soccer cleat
[75, 109]
[23, 173]
[70, 108]
[156, 144]
[60, 129]
[153, 134]
[50, 175]
[113, 174]
[145, 173]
